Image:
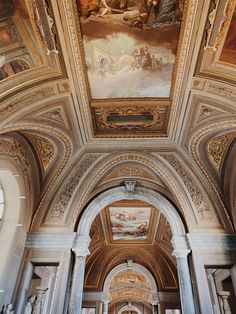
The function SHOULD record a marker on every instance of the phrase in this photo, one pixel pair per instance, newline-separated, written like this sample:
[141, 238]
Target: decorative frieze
[222, 91]
[58, 210]
[217, 148]
[25, 100]
[206, 112]
[203, 209]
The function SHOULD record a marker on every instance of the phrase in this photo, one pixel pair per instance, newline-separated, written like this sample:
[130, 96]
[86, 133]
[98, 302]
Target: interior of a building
[118, 156]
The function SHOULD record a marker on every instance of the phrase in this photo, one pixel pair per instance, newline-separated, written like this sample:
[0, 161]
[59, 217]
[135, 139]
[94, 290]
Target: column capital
[155, 298]
[181, 253]
[105, 298]
[80, 245]
[179, 243]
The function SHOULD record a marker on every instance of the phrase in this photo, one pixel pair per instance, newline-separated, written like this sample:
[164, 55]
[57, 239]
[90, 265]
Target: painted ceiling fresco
[130, 49]
[17, 49]
[130, 223]
[228, 53]
[130, 284]
[130, 46]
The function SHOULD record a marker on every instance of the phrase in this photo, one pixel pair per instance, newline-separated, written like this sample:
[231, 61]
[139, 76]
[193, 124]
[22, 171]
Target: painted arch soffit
[130, 53]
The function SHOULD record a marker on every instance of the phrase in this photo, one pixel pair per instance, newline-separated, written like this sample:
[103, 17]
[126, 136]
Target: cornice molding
[212, 243]
[51, 241]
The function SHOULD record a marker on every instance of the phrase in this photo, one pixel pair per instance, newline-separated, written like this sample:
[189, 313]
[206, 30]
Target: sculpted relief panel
[44, 148]
[218, 146]
[204, 210]
[59, 208]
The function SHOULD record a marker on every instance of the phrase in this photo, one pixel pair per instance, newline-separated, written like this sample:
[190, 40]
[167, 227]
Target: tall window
[1, 202]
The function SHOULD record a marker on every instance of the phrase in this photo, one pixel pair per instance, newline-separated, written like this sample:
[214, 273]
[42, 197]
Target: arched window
[1, 202]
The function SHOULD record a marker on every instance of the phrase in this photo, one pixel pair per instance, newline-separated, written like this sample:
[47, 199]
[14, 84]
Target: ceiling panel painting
[130, 46]
[18, 51]
[228, 53]
[130, 223]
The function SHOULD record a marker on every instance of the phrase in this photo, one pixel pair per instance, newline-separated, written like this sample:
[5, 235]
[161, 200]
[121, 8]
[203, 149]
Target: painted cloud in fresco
[130, 46]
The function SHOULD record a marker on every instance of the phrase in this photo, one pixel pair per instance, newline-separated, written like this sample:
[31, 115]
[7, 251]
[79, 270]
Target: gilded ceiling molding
[57, 212]
[194, 148]
[44, 148]
[72, 18]
[203, 207]
[157, 166]
[183, 49]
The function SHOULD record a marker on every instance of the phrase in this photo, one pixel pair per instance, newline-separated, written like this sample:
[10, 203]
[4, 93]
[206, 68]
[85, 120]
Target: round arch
[13, 227]
[121, 193]
[134, 267]
[129, 308]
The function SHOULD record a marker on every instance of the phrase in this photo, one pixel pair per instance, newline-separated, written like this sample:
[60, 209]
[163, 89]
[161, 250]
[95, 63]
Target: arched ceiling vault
[47, 95]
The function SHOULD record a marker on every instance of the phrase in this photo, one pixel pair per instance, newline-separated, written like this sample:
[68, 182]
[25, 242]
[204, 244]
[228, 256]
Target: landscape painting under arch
[130, 46]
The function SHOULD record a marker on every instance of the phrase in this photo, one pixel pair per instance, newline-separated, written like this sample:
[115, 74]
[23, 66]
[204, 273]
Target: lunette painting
[130, 46]
[130, 223]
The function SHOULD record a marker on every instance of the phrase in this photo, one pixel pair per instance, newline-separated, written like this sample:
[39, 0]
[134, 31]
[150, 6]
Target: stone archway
[130, 308]
[120, 193]
[134, 267]
[179, 242]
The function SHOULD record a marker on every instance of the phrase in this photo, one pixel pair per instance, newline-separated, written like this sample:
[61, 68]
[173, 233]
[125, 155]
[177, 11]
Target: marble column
[224, 296]
[185, 287]
[81, 251]
[154, 309]
[233, 276]
[105, 303]
[105, 307]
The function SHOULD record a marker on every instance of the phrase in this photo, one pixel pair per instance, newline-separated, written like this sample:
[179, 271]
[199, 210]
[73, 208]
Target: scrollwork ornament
[203, 208]
[57, 212]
